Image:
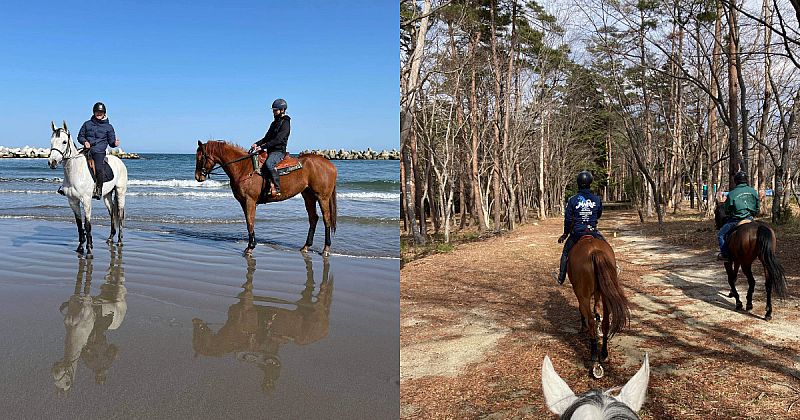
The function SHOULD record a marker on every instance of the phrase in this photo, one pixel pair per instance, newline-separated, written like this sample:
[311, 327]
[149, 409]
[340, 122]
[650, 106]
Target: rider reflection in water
[581, 214]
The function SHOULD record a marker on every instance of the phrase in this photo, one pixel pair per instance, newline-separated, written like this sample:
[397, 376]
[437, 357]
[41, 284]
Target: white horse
[79, 185]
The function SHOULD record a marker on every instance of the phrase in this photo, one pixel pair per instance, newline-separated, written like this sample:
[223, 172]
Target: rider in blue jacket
[581, 214]
[96, 135]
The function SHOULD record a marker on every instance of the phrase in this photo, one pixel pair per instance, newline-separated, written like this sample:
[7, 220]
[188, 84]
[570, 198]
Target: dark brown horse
[748, 242]
[316, 181]
[592, 270]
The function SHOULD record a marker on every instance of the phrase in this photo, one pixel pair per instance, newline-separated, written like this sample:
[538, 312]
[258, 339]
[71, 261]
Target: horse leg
[87, 224]
[325, 206]
[768, 315]
[606, 327]
[119, 206]
[733, 269]
[111, 214]
[751, 284]
[311, 209]
[75, 205]
[249, 208]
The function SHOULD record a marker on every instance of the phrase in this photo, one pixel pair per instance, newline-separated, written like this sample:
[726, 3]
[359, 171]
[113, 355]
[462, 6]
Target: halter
[216, 165]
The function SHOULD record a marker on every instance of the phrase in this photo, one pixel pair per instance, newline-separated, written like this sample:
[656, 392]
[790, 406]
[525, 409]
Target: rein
[216, 166]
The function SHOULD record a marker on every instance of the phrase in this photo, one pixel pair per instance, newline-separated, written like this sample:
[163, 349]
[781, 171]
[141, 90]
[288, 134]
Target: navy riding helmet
[584, 179]
[740, 178]
[99, 107]
[279, 104]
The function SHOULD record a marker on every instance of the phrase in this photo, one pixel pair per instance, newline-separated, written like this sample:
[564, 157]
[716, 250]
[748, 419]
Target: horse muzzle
[199, 176]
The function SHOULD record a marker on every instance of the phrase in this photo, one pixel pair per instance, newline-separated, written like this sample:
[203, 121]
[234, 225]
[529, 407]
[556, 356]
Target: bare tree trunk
[733, 95]
[760, 182]
[477, 196]
[407, 106]
[496, 117]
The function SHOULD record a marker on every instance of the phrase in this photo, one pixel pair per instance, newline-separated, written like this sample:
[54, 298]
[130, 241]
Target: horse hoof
[304, 249]
[730, 295]
[109, 241]
[748, 307]
[597, 371]
[603, 356]
[739, 306]
[767, 317]
[326, 254]
[248, 251]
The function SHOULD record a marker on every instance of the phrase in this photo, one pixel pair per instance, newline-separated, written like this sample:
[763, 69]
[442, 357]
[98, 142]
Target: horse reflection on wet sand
[86, 320]
[256, 332]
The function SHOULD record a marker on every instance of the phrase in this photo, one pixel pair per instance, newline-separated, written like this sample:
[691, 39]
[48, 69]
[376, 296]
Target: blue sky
[174, 73]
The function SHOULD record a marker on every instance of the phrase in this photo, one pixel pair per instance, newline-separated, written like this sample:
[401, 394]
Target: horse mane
[602, 406]
[216, 145]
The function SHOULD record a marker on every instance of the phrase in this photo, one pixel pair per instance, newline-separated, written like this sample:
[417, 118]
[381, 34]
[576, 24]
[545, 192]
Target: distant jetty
[368, 154]
[35, 152]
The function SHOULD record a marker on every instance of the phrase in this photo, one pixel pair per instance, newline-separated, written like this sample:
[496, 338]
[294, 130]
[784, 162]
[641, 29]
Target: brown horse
[316, 181]
[748, 242]
[592, 270]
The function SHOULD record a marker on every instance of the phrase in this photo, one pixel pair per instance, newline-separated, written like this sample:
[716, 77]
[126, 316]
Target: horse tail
[614, 299]
[765, 239]
[333, 210]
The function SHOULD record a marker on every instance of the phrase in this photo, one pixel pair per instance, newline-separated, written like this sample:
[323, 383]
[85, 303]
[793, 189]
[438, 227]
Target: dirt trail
[476, 324]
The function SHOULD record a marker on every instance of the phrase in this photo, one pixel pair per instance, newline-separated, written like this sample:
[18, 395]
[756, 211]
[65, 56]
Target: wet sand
[169, 328]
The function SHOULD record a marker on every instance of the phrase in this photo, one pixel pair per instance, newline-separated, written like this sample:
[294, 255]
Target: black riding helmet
[279, 104]
[584, 179]
[740, 178]
[99, 107]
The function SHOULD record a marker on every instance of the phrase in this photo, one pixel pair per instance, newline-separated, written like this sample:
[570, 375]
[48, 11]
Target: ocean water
[163, 197]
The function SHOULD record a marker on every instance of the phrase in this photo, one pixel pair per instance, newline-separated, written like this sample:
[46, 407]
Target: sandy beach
[177, 327]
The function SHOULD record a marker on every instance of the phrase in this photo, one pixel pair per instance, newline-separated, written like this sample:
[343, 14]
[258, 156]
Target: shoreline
[27, 152]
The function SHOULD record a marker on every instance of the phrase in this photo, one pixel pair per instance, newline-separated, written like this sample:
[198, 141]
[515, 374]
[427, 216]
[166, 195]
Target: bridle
[205, 157]
[68, 155]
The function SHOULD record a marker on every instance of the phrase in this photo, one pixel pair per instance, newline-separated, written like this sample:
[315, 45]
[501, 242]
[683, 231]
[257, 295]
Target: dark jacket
[742, 202]
[582, 212]
[99, 134]
[277, 135]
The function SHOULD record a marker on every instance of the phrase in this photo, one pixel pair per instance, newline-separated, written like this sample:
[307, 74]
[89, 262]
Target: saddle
[287, 165]
[735, 228]
[106, 171]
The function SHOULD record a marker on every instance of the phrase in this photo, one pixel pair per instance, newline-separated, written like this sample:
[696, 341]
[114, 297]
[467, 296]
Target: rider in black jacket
[274, 142]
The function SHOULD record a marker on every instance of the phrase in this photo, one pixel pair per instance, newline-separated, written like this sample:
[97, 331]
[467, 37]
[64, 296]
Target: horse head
[59, 144]
[720, 215]
[204, 161]
[594, 404]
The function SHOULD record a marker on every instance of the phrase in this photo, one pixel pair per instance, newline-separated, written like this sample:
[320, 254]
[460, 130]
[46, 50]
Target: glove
[86, 145]
[562, 238]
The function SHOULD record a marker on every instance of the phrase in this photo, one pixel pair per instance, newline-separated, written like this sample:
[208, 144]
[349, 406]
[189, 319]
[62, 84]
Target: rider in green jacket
[742, 203]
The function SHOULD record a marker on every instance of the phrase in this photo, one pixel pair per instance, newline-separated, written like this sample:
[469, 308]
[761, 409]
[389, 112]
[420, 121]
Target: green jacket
[742, 202]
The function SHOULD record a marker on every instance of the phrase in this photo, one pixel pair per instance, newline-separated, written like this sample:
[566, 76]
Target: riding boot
[562, 273]
[98, 189]
[61, 190]
[276, 180]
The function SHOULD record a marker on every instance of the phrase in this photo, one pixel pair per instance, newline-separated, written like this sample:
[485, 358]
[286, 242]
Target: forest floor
[477, 321]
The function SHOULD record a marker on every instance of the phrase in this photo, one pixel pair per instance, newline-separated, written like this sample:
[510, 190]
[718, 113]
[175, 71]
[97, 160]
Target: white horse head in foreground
[79, 185]
[594, 404]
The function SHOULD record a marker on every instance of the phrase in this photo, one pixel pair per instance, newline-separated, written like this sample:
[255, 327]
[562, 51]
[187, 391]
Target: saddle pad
[286, 165]
[107, 172]
[744, 221]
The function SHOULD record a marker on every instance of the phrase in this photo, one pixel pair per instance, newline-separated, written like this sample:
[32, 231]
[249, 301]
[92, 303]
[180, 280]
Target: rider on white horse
[96, 135]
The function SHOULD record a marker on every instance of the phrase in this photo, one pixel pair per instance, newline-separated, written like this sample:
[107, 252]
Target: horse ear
[634, 391]
[199, 143]
[557, 394]
[65, 125]
[53, 126]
